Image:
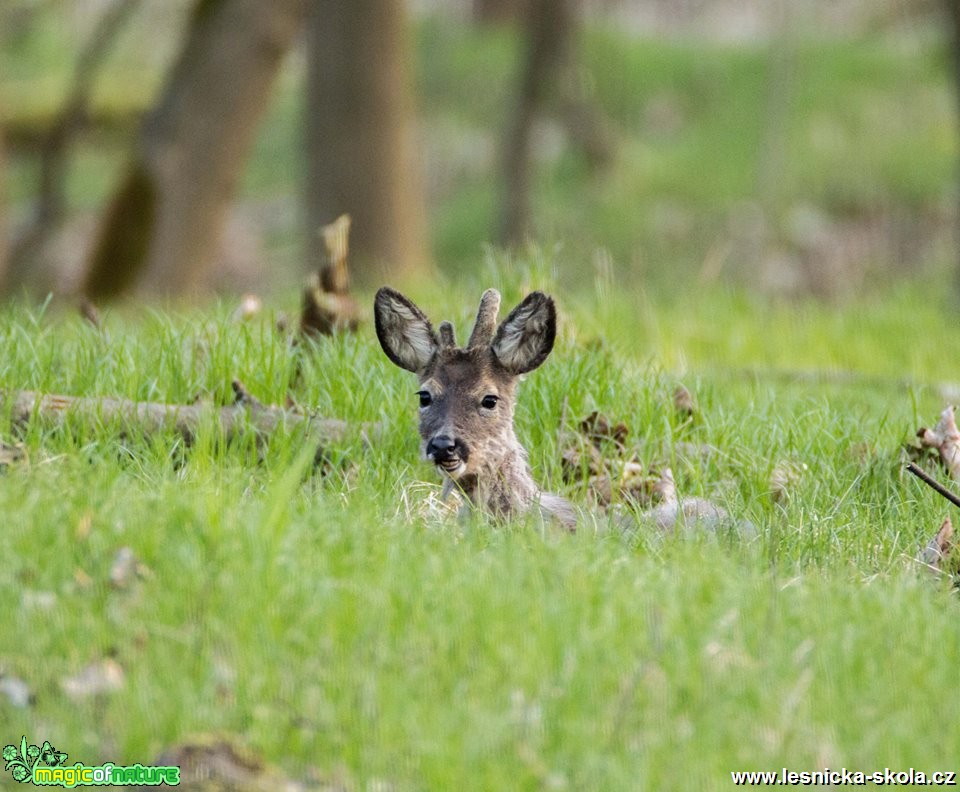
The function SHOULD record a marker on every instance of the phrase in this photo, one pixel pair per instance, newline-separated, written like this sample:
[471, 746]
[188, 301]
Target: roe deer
[467, 396]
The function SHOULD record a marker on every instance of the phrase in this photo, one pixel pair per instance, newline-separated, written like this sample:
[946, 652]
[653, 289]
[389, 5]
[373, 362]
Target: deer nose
[441, 447]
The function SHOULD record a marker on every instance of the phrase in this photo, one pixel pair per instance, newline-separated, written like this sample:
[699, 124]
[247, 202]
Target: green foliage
[333, 621]
[866, 127]
[860, 129]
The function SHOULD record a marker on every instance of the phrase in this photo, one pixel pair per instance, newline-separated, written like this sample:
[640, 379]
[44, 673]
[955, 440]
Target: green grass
[333, 622]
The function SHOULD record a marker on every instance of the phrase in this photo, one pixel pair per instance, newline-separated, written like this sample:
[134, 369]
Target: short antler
[486, 323]
[448, 339]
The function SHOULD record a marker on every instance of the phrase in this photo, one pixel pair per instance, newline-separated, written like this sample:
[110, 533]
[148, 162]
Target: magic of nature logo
[44, 765]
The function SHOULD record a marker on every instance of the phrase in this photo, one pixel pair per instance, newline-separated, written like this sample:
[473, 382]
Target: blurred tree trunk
[26, 251]
[548, 27]
[3, 211]
[549, 75]
[497, 12]
[161, 230]
[361, 156]
[952, 8]
[953, 19]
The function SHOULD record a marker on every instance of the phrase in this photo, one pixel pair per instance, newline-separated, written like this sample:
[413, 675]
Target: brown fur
[468, 397]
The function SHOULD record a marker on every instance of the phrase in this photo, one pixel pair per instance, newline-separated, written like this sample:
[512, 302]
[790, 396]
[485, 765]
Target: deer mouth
[447, 454]
[452, 466]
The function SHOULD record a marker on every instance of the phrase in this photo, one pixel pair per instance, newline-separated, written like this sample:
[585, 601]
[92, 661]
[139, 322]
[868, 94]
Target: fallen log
[245, 415]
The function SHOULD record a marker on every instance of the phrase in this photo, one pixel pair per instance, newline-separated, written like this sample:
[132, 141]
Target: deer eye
[425, 398]
[489, 401]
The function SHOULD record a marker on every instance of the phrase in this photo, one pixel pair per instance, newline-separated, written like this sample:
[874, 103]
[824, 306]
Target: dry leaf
[84, 526]
[936, 556]
[945, 438]
[610, 478]
[785, 475]
[11, 454]
[599, 430]
[123, 568]
[683, 402]
[16, 691]
[126, 568]
[323, 313]
[82, 579]
[216, 764]
[637, 485]
[327, 304]
[103, 676]
[250, 306]
[336, 239]
[600, 489]
[665, 488]
[580, 461]
[38, 600]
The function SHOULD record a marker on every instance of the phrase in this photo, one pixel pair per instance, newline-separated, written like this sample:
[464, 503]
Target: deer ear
[526, 336]
[405, 333]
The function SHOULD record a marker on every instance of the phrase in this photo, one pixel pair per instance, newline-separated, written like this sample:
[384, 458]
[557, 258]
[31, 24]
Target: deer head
[467, 394]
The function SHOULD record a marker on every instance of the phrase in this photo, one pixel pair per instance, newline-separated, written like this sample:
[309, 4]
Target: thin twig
[920, 474]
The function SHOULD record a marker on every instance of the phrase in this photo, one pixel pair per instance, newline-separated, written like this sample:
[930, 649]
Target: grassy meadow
[335, 620]
[330, 616]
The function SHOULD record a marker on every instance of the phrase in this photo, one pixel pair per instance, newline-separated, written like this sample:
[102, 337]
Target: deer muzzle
[447, 453]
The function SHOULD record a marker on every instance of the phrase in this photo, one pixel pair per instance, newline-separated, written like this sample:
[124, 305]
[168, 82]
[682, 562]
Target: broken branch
[935, 485]
[327, 304]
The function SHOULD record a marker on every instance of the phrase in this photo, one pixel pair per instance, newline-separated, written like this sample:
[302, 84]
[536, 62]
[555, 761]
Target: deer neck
[503, 485]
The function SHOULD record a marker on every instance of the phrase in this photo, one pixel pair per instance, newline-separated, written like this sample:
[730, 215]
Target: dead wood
[148, 418]
[945, 438]
[327, 304]
[210, 762]
[933, 484]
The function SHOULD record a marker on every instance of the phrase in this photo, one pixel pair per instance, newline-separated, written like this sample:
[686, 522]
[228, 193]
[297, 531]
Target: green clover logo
[21, 761]
[50, 756]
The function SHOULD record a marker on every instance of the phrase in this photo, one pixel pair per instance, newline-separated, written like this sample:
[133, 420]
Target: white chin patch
[454, 472]
[453, 469]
